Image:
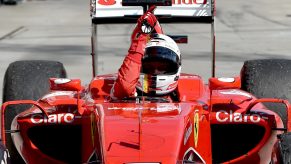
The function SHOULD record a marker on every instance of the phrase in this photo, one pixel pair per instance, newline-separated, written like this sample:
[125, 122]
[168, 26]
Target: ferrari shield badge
[196, 127]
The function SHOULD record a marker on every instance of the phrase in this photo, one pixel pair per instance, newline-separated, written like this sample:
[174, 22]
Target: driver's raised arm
[128, 73]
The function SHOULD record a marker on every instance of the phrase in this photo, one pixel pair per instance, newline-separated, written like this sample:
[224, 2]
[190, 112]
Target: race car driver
[152, 65]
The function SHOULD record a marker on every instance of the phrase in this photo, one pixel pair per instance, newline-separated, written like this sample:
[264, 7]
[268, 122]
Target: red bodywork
[215, 123]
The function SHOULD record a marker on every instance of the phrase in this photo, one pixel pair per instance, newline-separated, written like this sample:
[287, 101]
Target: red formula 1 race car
[224, 120]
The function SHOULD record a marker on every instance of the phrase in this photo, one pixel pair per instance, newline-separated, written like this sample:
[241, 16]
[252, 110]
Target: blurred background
[60, 30]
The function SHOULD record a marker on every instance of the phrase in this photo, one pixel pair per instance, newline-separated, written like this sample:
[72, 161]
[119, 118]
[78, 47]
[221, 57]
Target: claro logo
[224, 116]
[53, 118]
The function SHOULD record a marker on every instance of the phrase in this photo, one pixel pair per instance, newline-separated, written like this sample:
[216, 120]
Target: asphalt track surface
[61, 29]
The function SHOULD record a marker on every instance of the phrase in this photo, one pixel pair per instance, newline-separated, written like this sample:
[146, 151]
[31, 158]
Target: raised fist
[146, 24]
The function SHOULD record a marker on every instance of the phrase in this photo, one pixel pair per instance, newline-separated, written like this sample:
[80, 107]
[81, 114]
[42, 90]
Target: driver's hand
[146, 24]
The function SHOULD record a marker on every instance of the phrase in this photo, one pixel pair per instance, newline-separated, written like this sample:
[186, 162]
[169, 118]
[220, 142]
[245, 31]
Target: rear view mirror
[65, 84]
[224, 83]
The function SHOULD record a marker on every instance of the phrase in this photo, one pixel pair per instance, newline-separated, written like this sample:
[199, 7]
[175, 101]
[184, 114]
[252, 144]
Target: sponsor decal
[188, 133]
[57, 93]
[188, 2]
[181, 8]
[236, 92]
[174, 2]
[167, 108]
[53, 118]
[196, 127]
[62, 81]
[158, 108]
[236, 117]
[128, 108]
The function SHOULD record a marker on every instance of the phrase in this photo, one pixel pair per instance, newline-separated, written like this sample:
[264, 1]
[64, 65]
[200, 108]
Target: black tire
[26, 80]
[285, 148]
[268, 78]
[4, 154]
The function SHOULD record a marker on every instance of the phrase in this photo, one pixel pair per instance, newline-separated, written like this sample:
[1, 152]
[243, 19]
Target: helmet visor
[160, 61]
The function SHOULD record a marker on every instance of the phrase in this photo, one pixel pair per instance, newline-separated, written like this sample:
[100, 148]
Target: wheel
[4, 155]
[285, 148]
[268, 78]
[26, 80]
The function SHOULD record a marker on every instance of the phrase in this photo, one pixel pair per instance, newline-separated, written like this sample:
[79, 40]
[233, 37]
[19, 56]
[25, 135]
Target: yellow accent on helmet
[145, 84]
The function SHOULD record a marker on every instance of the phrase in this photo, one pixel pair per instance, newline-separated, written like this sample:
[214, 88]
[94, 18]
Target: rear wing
[167, 11]
[181, 11]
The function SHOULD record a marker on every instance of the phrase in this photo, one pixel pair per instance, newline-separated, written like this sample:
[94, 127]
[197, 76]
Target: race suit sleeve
[128, 73]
